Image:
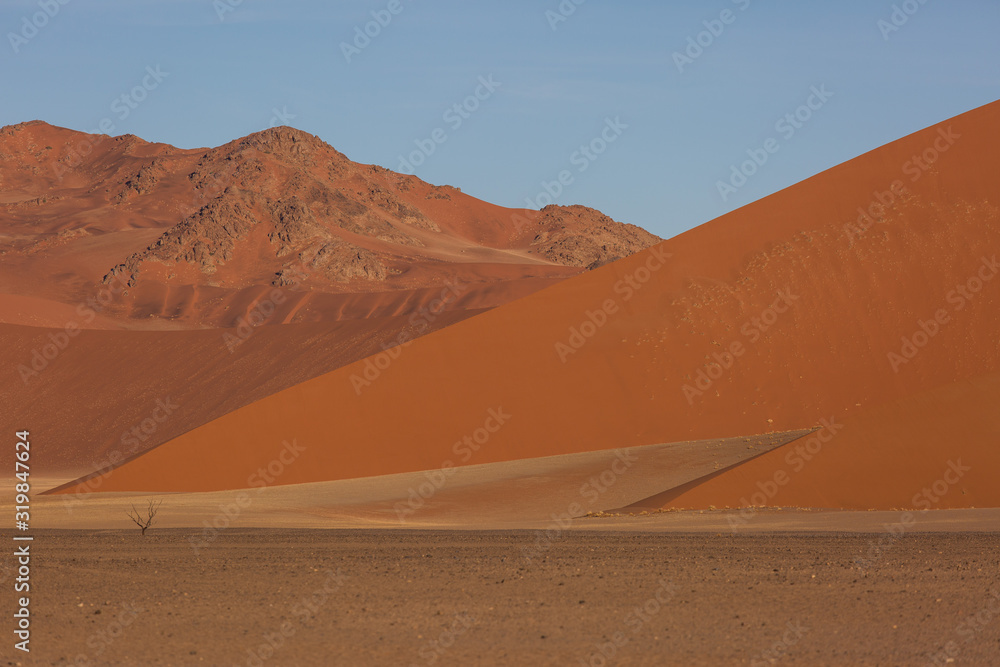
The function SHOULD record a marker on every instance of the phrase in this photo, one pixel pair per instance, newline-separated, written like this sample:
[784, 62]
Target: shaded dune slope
[775, 317]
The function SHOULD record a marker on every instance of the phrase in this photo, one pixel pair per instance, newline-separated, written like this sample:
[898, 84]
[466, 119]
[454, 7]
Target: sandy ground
[504, 494]
[508, 564]
[271, 597]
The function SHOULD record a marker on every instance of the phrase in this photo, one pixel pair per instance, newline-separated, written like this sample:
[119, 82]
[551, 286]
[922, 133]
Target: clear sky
[226, 68]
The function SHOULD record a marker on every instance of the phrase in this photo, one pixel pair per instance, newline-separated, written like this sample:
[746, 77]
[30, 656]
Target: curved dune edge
[89, 400]
[567, 486]
[915, 448]
[31, 311]
[835, 302]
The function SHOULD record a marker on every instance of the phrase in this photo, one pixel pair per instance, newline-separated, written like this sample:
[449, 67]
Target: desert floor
[518, 597]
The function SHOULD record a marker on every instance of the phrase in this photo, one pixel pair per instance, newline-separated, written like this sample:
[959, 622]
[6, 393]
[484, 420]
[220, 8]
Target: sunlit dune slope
[934, 450]
[135, 274]
[779, 315]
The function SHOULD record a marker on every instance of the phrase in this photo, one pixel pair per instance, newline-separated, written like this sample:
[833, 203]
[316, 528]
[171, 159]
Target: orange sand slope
[869, 284]
[219, 276]
[100, 397]
[934, 450]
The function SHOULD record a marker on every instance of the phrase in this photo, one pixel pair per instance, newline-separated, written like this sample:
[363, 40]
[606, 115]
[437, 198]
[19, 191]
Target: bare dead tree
[146, 522]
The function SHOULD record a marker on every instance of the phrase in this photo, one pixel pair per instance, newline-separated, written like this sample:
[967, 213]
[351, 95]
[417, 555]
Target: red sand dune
[934, 450]
[277, 238]
[98, 401]
[771, 318]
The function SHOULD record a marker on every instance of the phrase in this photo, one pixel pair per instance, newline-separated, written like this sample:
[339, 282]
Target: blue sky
[233, 67]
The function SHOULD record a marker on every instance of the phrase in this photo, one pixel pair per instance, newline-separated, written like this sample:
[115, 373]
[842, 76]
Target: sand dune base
[506, 494]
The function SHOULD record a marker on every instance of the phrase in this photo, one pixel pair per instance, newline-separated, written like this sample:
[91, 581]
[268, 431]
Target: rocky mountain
[281, 208]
